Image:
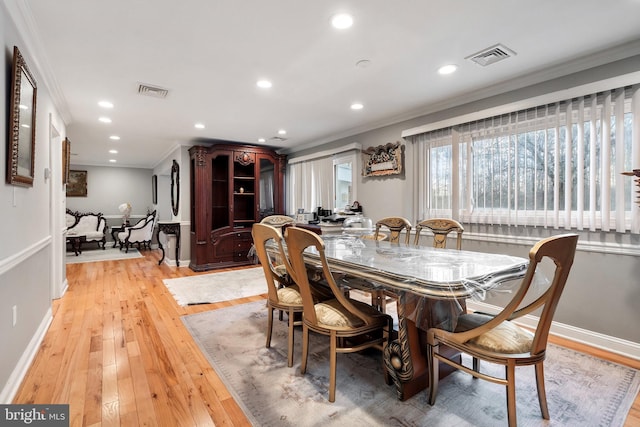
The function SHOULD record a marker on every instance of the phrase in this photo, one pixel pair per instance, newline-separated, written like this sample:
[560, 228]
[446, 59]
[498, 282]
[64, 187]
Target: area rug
[216, 287]
[582, 390]
[108, 254]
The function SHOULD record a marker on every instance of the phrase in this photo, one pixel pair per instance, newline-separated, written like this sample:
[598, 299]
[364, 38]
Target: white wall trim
[15, 379]
[611, 83]
[598, 247]
[612, 344]
[326, 153]
[65, 286]
[15, 259]
[22, 16]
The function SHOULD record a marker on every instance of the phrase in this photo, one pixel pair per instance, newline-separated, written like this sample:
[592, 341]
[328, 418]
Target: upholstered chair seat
[332, 314]
[506, 338]
[290, 295]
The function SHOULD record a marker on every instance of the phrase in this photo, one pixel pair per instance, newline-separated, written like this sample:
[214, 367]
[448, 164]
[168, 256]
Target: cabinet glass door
[267, 184]
[220, 192]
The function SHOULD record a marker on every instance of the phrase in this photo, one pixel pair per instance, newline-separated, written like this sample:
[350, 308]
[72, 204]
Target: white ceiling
[209, 55]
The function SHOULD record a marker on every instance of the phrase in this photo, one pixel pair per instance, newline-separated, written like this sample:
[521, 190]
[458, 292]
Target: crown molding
[22, 17]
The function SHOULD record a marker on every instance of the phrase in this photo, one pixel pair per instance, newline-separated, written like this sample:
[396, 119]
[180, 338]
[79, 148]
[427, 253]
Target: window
[557, 165]
[343, 179]
[326, 182]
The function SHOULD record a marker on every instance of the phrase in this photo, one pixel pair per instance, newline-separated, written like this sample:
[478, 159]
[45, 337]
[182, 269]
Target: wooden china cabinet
[232, 186]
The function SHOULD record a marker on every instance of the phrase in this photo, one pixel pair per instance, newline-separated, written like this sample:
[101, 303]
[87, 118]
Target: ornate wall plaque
[382, 160]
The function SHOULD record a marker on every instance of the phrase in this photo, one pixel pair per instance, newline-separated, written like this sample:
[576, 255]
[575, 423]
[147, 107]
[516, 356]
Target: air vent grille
[153, 91]
[277, 138]
[491, 55]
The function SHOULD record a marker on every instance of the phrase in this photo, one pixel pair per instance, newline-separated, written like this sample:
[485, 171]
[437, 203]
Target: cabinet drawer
[243, 245]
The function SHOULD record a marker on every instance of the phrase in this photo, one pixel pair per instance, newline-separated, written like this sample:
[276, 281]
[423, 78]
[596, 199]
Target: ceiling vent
[277, 139]
[491, 55]
[153, 91]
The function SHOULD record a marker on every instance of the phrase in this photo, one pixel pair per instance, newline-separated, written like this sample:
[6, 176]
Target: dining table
[431, 287]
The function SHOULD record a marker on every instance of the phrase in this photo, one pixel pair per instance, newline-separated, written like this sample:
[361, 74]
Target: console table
[168, 228]
[114, 233]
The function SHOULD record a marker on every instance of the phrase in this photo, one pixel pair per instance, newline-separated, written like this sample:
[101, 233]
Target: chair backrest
[262, 233]
[440, 227]
[102, 224]
[396, 225]
[142, 231]
[561, 250]
[71, 218]
[152, 219]
[299, 239]
[277, 221]
[378, 236]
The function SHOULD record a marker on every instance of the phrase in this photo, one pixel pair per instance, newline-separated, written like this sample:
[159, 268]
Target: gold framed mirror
[22, 124]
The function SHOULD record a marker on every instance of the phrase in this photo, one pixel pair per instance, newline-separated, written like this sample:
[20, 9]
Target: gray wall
[27, 225]
[109, 187]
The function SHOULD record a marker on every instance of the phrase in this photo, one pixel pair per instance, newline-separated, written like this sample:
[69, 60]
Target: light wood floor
[118, 353]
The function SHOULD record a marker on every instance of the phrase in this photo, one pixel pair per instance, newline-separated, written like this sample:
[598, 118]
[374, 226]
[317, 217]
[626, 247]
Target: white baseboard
[172, 262]
[615, 345]
[65, 286]
[15, 379]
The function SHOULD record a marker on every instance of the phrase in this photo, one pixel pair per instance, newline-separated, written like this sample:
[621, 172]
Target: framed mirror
[22, 128]
[175, 187]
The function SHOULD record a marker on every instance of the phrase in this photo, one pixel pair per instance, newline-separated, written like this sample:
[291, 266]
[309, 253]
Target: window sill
[584, 243]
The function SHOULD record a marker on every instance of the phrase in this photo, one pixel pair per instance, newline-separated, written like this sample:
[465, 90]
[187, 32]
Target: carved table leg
[404, 359]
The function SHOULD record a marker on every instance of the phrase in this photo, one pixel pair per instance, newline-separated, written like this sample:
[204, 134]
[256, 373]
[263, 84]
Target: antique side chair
[284, 296]
[350, 325]
[497, 339]
[440, 227]
[395, 225]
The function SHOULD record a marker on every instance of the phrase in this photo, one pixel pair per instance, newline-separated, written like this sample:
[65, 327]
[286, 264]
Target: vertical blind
[557, 165]
[310, 184]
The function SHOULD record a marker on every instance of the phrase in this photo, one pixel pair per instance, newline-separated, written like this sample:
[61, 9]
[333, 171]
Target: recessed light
[199, 126]
[447, 69]
[262, 140]
[342, 21]
[115, 137]
[105, 119]
[264, 84]
[105, 104]
[113, 151]
[112, 160]
[357, 106]
[282, 132]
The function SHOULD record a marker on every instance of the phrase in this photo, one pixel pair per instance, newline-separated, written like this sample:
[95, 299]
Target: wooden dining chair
[282, 293]
[379, 237]
[350, 325]
[497, 339]
[395, 225]
[440, 227]
[277, 221]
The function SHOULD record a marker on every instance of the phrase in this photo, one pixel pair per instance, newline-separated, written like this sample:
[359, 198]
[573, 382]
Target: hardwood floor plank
[119, 354]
